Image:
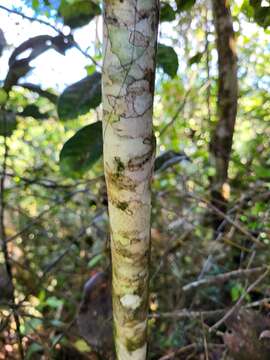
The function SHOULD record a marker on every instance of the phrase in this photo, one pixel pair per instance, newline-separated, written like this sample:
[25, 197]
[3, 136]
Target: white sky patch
[51, 68]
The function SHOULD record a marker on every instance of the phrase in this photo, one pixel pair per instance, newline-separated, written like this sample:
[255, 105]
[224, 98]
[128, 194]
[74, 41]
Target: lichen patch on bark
[131, 301]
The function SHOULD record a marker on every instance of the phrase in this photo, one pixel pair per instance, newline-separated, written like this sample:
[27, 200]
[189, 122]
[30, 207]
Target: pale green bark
[130, 34]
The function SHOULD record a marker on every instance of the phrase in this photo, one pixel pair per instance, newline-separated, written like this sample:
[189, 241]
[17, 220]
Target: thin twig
[222, 278]
[43, 22]
[187, 314]
[205, 345]
[239, 302]
[180, 351]
[190, 347]
[208, 89]
[44, 212]
[228, 219]
[180, 108]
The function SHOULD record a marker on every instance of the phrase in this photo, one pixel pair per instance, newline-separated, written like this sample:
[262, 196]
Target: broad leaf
[3, 96]
[261, 13]
[82, 150]
[79, 98]
[8, 122]
[184, 5]
[79, 12]
[256, 10]
[19, 67]
[166, 12]
[196, 58]
[167, 59]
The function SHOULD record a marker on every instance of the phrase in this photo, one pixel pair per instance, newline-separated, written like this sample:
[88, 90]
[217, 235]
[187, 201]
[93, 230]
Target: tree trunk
[130, 37]
[222, 137]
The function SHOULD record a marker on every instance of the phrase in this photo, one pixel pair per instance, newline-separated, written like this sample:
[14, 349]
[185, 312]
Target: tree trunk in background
[222, 137]
[130, 36]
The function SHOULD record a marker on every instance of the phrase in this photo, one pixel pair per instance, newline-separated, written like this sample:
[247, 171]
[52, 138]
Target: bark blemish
[122, 205]
[135, 343]
[120, 167]
[131, 301]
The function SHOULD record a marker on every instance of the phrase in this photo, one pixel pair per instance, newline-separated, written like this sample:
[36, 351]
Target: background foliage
[53, 192]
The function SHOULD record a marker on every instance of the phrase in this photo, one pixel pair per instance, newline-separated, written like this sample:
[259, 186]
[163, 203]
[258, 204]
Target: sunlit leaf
[79, 12]
[82, 345]
[95, 261]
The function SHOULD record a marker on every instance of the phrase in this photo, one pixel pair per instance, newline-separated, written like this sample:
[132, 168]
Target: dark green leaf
[79, 12]
[184, 5]
[167, 59]
[166, 12]
[254, 9]
[196, 58]
[33, 111]
[3, 96]
[19, 67]
[79, 98]
[262, 172]
[82, 150]
[8, 122]
[262, 16]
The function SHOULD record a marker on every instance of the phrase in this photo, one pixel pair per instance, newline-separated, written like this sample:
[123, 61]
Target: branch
[180, 351]
[239, 302]
[43, 22]
[222, 278]
[44, 212]
[37, 89]
[187, 314]
[180, 108]
[228, 219]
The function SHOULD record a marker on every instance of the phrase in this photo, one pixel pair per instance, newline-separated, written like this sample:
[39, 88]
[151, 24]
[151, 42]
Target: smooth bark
[222, 137]
[130, 35]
